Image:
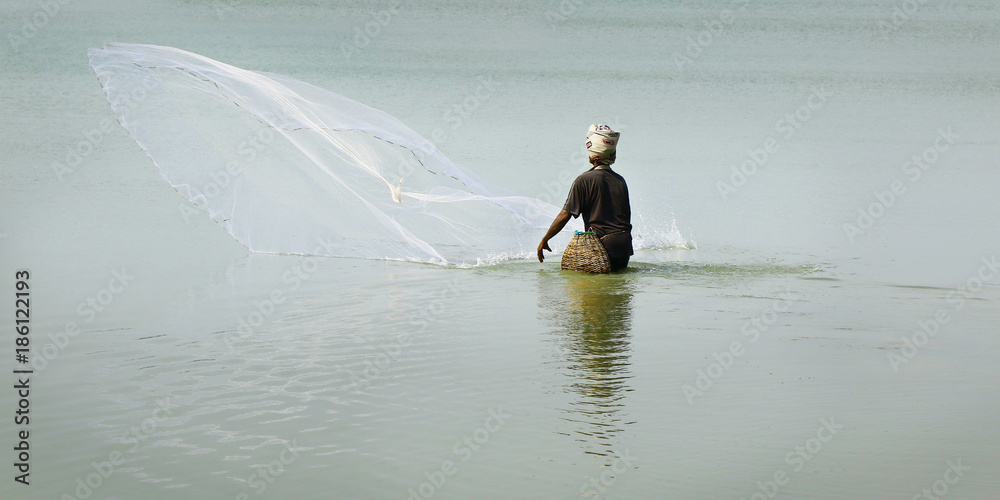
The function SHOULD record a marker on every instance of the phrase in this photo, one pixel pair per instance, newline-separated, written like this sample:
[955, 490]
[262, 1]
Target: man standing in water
[601, 197]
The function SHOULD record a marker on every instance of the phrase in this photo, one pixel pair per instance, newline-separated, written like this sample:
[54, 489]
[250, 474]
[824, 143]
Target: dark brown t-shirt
[601, 197]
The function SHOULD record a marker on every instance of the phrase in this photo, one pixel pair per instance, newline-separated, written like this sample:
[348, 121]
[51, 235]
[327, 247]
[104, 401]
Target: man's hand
[544, 245]
[561, 219]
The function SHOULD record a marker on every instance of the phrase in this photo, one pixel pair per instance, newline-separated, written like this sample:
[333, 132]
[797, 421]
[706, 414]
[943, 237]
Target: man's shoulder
[582, 179]
[617, 176]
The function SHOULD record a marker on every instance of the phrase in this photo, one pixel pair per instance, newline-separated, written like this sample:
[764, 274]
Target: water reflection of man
[594, 321]
[600, 195]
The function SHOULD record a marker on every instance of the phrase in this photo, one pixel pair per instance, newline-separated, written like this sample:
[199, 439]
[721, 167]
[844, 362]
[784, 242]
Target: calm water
[774, 346]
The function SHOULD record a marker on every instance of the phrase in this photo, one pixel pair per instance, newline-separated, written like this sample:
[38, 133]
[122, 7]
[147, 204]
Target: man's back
[601, 197]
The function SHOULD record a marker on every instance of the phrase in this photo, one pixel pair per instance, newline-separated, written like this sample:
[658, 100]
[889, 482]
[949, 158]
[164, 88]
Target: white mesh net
[287, 167]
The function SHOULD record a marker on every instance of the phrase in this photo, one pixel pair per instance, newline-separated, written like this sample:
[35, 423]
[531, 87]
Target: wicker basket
[586, 253]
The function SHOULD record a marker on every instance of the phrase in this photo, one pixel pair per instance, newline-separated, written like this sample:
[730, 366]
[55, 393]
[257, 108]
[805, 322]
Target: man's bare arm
[557, 225]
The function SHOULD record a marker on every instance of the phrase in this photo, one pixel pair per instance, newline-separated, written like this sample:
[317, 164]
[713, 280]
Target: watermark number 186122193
[22, 372]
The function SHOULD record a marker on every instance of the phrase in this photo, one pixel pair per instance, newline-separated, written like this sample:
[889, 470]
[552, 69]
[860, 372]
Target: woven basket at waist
[586, 253]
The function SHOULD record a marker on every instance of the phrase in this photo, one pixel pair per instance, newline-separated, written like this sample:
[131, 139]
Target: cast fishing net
[287, 167]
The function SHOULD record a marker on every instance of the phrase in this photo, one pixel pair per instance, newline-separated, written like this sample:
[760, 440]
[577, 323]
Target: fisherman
[601, 197]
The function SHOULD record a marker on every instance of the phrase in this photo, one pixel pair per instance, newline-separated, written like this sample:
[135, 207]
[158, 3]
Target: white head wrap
[601, 141]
